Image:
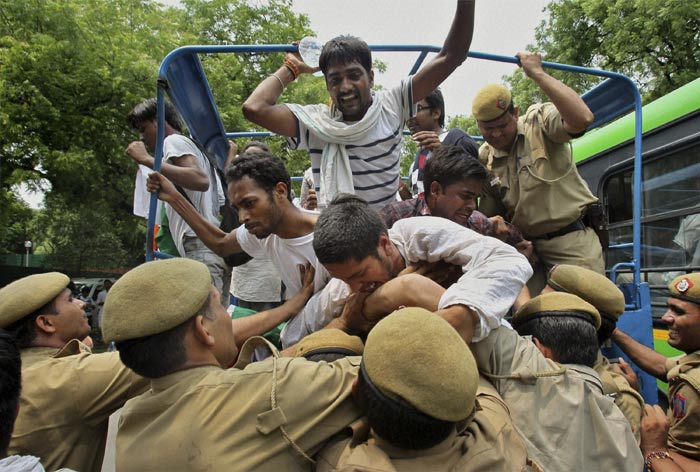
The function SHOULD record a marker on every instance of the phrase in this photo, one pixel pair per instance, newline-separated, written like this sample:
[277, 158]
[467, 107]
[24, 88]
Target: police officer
[169, 326]
[604, 295]
[426, 407]
[535, 184]
[682, 373]
[68, 393]
[544, 372]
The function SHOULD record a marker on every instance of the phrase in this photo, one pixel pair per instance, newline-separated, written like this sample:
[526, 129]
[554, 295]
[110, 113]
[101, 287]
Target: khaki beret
[491, 103]
[556, 302]
[592, 287]
[329, 341]
[686, 287]
[416, 356]
[26, 295]
[155, 297]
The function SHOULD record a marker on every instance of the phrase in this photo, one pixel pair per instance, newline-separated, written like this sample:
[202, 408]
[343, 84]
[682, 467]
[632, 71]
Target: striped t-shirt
[376, 161]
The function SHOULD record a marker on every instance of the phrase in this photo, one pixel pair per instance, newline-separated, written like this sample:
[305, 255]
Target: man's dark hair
[264, 168]
[572, 340]
[436, 100]
[344, 50]
[450, 164]
[10, 386]
[348, 229]
[147, 111]
[398, 422]
[24, 329]
[163, 353]
[257, 144]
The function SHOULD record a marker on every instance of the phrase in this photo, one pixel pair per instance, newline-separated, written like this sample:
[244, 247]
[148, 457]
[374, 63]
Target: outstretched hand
[625, 370]
[158, 183]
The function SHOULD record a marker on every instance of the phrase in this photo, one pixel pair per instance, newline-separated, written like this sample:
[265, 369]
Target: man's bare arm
[185, 171]
[647, 359]
[262, 108]
[573, 110]
[259, 323]
[214, 238]
[453, 53]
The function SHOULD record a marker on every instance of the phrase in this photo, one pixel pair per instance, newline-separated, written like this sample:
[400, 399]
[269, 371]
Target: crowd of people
[455, 325]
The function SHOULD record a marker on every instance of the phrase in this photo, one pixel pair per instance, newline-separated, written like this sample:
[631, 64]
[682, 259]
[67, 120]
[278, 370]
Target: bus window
[670, 221]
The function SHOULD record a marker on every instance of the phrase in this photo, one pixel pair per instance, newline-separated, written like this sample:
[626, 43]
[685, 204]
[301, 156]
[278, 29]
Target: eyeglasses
[420, 108]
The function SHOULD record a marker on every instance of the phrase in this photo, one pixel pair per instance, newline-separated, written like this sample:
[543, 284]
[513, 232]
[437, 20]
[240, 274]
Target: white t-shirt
[375, 161]
[285, 255]
[207, 203]
[256, 281]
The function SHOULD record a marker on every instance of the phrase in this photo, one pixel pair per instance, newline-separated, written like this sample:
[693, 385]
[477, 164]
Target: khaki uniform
[560, 410]
[627, 399]
[489, 442]
[67, 397]
[684, 404]
[537, 188]
[207, 418]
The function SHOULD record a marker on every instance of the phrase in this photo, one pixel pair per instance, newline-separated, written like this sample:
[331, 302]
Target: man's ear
[435, 188]
[516, 112]
[371, 78]
[45, 323]
[546, 352]
[201, 331]
[280, 190]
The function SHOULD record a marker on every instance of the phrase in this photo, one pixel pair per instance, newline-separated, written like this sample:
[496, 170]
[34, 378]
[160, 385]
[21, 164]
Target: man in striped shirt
[355, 145]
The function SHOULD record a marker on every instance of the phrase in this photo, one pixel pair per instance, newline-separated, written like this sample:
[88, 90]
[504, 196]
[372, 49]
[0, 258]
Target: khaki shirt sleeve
[684, 415]
[553, 125]
[102, 384]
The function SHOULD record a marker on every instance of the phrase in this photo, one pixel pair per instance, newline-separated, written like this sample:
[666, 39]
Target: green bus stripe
[671, 106]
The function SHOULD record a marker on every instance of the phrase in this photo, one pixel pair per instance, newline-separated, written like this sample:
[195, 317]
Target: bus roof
[671, 106]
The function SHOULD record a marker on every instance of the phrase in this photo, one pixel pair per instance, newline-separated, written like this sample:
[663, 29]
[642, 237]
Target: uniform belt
[575, 226]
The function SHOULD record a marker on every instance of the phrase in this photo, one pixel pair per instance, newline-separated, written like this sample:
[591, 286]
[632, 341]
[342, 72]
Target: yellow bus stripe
[661, 334]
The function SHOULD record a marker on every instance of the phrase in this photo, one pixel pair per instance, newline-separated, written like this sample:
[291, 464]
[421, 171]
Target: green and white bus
[670, 219]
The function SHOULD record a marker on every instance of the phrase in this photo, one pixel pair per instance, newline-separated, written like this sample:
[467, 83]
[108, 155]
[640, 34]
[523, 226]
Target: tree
[70, 70]
[652, 41]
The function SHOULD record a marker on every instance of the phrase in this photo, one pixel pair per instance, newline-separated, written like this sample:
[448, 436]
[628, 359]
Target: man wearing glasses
[427, 129]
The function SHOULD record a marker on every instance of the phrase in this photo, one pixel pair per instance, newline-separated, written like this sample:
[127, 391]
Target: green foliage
[70, 71]
[652, 41]
[465, 123]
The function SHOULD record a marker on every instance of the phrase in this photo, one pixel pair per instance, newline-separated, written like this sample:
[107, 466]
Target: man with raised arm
[536, 185]
[187, 166]
[355, 144]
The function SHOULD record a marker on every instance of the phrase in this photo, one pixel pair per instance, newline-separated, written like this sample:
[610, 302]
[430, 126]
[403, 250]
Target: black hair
[436, 100]
[572, 339]
[450, 164]
[257, 144]
[10, 387]
[344, 50]
[163, 353]
[147, 111]
[348, 229]
[264, 168]
[24, 329]
[398, 422]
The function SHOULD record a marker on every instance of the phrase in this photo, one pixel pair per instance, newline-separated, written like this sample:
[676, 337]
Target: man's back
[560, 409]
[66, 400]
[207, 418]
